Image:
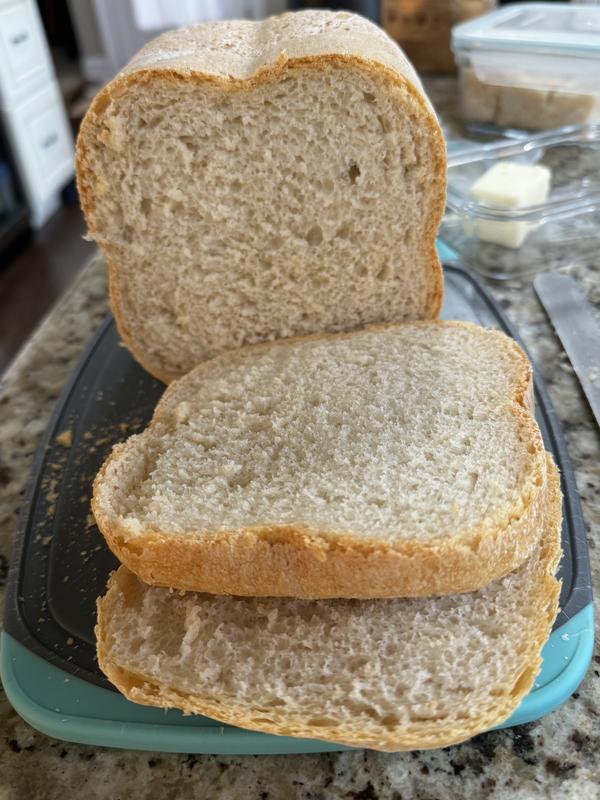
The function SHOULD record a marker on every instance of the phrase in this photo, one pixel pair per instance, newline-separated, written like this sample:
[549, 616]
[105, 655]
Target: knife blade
[578, 329]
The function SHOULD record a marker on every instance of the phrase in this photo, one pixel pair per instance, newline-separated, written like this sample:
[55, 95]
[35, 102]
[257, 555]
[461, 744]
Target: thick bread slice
[256, 180]
[397, 674]
[395, 461]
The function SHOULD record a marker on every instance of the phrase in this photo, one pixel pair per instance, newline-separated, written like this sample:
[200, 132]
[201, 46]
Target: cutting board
[61, 564]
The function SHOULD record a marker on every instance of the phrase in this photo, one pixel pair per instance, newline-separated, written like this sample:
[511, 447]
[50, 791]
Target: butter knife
[578, 329]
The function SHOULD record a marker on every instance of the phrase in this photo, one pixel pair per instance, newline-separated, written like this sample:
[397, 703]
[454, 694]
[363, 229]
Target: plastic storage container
[561, 231]
[534, 66]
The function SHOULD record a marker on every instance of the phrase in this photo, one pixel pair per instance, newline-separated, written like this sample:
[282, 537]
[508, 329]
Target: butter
[509, 185]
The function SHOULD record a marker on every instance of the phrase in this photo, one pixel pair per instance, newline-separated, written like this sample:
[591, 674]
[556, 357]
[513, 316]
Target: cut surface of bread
[255, 180]
[396, 674]
[399, 460]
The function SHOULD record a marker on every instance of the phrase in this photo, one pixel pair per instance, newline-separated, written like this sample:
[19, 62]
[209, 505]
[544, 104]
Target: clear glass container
[563, 230]
[534, 66]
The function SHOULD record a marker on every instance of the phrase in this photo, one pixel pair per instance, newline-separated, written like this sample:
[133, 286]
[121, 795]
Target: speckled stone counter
[557, 757]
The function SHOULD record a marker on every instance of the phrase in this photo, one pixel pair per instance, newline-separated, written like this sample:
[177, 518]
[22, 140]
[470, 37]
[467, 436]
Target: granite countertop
[556, 757]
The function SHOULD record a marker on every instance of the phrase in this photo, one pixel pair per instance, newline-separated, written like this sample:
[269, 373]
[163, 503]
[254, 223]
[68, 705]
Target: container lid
[561, 29]
[558, 46]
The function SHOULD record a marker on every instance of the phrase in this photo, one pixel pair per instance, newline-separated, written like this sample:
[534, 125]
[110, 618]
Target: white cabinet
[42, 145]
[32, 110]
[23, 52]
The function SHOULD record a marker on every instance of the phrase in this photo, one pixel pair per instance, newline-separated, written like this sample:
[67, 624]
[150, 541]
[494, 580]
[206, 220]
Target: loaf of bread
[255, 180]
[387, 674]
[399, 460]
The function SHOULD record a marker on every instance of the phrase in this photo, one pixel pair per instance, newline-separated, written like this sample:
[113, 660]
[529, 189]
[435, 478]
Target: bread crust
[279, 45]
[292, 561]
[420, 734]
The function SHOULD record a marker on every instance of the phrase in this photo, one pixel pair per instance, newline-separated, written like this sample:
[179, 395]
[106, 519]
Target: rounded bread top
[241, 49]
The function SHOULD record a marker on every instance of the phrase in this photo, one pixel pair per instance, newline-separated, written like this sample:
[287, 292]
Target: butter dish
[534, 237]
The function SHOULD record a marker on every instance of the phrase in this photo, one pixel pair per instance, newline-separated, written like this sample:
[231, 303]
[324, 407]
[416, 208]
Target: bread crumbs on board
[65, 438]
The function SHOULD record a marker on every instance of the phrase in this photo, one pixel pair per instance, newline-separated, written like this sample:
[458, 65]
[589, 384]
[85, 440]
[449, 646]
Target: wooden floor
[33, 281]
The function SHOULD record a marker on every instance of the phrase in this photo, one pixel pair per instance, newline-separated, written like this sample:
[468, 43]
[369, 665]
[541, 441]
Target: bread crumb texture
[411, 431]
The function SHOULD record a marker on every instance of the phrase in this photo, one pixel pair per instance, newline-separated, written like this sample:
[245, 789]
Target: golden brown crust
[291, 561]
[421, 735]
[151, 64]
[283, 561]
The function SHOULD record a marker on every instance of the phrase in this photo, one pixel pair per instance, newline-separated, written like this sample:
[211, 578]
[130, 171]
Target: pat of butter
[508, 185]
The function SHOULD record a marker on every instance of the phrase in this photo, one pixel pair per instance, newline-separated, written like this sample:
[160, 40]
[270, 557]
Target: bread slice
[394, 674]
[255, 180]
[395, 461]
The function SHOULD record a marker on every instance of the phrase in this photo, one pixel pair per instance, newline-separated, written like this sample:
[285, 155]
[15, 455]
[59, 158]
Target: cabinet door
[51, 141]
[42, 143]
[24, 58]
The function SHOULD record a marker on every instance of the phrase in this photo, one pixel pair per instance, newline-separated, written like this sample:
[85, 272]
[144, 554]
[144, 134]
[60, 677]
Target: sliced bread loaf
[394, 461]
[254, 180]
[388, 674]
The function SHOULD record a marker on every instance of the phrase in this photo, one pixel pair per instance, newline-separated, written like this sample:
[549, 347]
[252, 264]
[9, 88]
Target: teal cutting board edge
[69, 708]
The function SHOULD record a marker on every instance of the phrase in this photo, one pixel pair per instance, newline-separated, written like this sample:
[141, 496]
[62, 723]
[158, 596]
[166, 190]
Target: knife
[578, 329]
